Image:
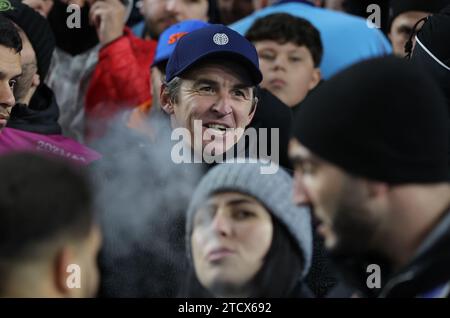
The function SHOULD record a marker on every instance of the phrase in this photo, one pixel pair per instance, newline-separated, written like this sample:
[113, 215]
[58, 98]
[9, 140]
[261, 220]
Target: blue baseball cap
[169, 38]
[215, 40]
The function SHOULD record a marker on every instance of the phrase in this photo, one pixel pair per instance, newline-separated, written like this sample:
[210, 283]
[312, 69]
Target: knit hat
[398, 7]
[272, 190]
[36, 29]
[384, 119]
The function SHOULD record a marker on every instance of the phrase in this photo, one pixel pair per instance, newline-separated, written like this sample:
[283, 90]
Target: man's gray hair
[173, 88]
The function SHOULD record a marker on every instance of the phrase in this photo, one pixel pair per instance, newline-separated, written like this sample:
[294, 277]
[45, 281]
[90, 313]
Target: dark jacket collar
[427, 271]
[40, 116]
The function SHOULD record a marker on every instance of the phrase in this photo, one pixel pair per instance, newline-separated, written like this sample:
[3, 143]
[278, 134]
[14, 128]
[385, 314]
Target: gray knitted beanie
[274, 191]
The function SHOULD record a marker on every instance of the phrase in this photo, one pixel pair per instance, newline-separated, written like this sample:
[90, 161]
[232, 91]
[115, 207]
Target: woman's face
[232, 233]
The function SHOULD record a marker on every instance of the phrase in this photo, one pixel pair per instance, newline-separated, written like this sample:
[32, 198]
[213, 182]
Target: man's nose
[223, 105]
[280, 62]
[300, 191]
[7, 99]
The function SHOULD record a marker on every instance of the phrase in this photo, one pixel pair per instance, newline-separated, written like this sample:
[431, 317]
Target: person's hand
[108, 17]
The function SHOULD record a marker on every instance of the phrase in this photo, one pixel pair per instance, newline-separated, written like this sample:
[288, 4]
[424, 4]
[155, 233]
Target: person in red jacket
[121, 78]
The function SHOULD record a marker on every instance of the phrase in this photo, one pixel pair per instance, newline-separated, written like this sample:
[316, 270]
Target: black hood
[432, 52]
[41, 116]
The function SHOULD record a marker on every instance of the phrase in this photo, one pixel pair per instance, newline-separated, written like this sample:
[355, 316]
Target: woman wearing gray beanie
[245, 237]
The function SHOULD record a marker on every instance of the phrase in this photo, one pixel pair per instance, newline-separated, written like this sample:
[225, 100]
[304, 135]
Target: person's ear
[36, 80]
[376, 189]
[167, 103]
[63, 258]
[315, 78]
[252, 110]
[377, 197]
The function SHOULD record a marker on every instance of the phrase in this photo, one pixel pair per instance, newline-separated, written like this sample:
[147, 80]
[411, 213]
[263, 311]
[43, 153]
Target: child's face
[288, 70]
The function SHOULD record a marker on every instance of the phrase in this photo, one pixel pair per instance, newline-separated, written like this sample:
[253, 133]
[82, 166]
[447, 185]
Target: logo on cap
[220, 39]
[175, 37]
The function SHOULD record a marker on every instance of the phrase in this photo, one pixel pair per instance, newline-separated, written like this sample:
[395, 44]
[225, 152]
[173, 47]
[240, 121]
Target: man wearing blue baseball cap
[211, 79]
[166, 44]
[271, 112]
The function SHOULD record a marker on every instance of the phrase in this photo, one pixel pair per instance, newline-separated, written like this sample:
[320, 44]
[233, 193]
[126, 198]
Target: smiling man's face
[220, 95]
